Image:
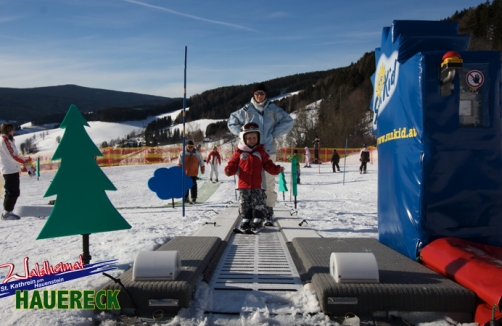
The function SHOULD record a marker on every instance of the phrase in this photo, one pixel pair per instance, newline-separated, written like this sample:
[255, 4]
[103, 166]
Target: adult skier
[193, 160]
[317, 147]
[10, 162]
[273, 123]
[364, 157]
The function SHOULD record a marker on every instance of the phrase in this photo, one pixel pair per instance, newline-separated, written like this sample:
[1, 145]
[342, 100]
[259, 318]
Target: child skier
[249, 162]
[214, 159]
[335, 159]
[307, 158]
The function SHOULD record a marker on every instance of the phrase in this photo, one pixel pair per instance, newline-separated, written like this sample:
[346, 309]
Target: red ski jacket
[215, 158]
[250, 166]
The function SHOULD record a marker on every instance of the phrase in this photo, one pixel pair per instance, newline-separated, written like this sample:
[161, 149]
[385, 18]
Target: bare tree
[305, 126]
[193, 132]
[29, 146]
[348, 120]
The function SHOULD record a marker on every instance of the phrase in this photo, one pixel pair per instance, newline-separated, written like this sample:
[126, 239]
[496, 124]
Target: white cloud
[192, 16]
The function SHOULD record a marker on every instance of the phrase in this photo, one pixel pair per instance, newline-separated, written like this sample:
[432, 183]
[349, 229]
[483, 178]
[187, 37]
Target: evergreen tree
[82, 206]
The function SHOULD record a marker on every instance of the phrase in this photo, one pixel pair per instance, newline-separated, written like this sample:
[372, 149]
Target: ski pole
[38, 169]
[184, 136]
[345, 159]
[235, 180]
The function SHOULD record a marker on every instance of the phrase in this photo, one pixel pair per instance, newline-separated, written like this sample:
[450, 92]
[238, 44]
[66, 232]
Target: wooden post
[86, 256]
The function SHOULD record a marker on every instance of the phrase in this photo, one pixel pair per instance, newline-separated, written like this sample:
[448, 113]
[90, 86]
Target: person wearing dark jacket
[335, 159]
[317, 147]
[249, 163]
[364, 157]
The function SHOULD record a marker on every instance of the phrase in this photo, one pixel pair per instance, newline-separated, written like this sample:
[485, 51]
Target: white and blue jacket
[273, 122]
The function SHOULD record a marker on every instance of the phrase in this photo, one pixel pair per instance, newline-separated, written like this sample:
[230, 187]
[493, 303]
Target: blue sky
[138, 45]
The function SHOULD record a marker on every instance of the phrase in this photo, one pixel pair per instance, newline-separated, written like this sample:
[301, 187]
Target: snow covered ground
[334, 204]
[333, 208]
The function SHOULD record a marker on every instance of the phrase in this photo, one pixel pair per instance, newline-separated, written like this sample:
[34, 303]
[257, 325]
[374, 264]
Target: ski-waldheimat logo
[45, 274]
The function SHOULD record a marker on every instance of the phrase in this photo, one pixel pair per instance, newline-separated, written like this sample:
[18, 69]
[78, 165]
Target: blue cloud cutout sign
[166, 182]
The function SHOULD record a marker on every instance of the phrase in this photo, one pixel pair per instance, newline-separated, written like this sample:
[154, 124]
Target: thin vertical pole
[183, 136]
[291, 177]
[319, 158]
[291, 184]
[86, 256]
[235, 180]
[345, 159]
[38, 168]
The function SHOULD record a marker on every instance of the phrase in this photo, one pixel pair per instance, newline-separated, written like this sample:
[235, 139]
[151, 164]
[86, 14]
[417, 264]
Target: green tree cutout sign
[82, 206]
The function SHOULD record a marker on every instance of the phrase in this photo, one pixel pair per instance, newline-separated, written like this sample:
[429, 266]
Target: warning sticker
[475, 79]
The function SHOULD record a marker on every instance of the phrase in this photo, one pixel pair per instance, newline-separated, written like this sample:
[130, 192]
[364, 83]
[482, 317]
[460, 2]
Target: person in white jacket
[307, 158]
[10, 166]
[273, 122]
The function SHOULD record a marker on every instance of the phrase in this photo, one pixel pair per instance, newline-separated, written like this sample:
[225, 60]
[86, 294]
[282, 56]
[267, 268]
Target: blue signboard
[439, 140]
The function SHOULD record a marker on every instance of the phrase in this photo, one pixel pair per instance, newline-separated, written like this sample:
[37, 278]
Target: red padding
[476, 266]
[483, 313]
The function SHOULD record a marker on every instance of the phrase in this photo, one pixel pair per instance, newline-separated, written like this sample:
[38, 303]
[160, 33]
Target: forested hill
[483, 23]
[217, 103]
[28, 104]
[220, 102]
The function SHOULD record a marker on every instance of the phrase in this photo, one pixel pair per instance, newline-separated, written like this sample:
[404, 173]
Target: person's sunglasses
[259, 93]
[189, 146]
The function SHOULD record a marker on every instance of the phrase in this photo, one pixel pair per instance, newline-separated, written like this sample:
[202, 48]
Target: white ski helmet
[248, 128]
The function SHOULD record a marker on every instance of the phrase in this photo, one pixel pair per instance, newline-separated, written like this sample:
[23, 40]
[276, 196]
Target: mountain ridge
[26, 104]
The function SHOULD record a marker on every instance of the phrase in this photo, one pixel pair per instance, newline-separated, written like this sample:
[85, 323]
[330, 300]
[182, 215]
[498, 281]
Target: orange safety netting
[168, 155]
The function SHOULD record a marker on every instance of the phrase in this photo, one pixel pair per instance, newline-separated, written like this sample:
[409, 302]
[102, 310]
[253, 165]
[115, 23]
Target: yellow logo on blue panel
[387, 73]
